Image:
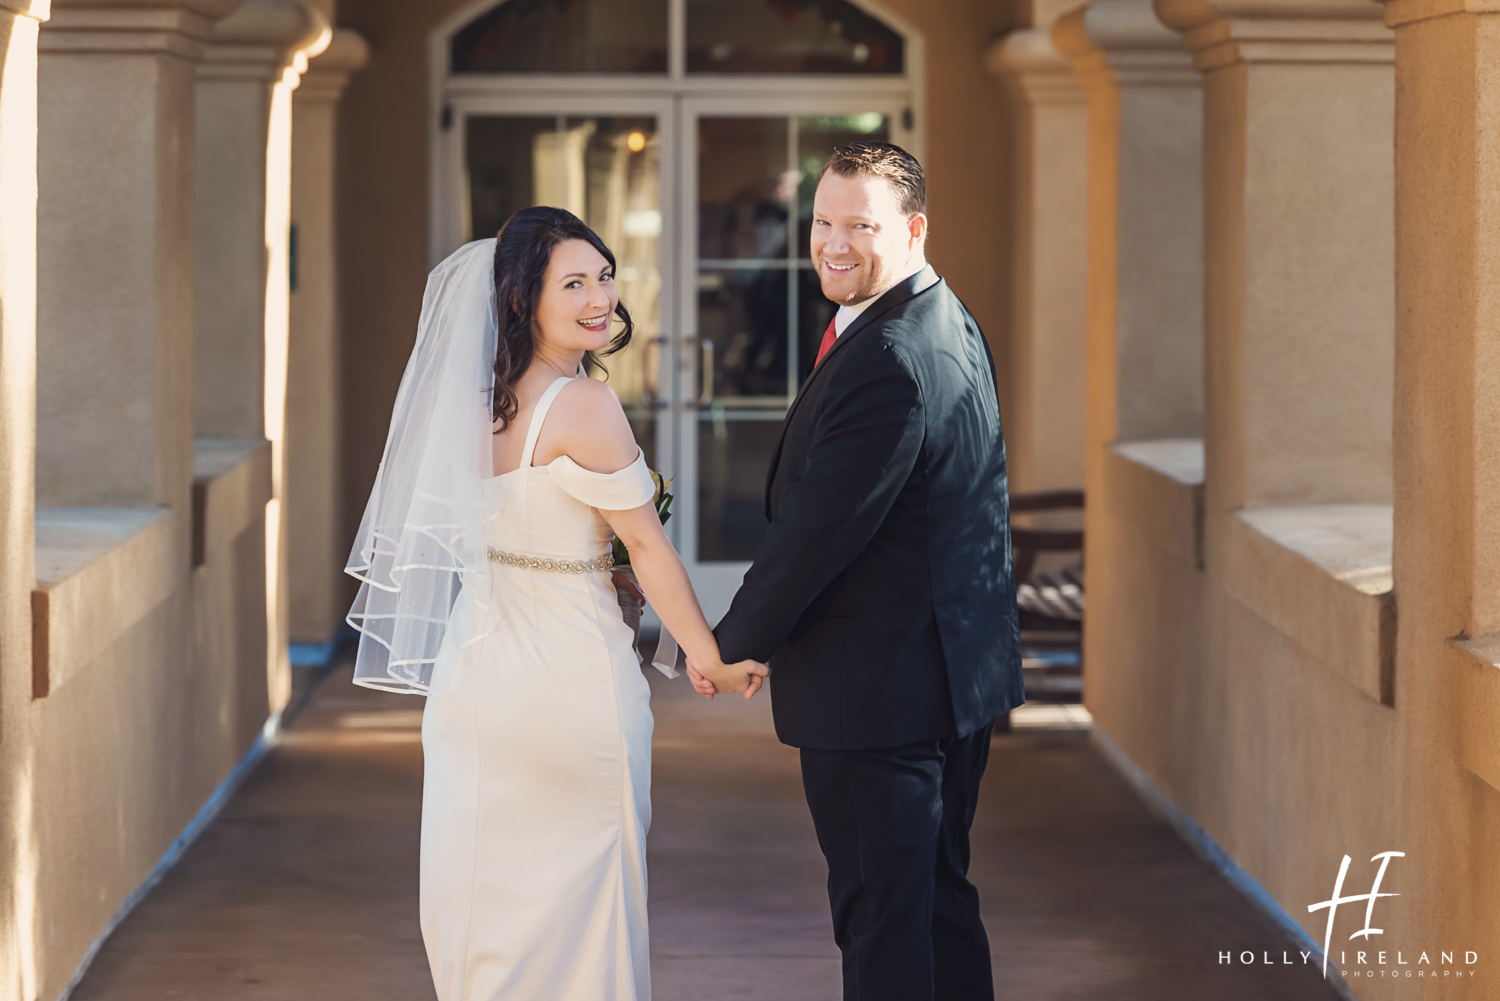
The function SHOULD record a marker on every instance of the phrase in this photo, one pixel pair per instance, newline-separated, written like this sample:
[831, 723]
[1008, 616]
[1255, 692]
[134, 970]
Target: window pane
[565, 36]
[788, 36]
[501, 163]
[732, 460]
[744, 186]
[743, 311]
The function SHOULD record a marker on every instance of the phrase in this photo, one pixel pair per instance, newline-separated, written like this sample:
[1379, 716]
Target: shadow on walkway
[305, 886]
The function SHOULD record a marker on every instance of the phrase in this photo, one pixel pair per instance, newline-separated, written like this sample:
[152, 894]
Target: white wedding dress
[537, 743]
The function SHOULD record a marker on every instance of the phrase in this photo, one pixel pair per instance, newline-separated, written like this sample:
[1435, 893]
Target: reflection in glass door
[606, 171]
[760, 313]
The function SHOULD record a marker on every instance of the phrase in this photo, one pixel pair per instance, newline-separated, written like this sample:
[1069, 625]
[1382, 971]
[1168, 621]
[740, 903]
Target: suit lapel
[893, 296]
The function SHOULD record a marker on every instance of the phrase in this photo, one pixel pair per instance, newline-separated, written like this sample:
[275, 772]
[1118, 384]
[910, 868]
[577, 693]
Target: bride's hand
[702, 685]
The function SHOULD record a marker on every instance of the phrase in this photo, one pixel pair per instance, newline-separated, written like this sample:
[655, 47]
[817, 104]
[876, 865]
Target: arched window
[723, 37]
[565, 36]
[788, 36]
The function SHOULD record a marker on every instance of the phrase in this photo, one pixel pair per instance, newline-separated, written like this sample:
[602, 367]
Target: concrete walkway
[305, 887]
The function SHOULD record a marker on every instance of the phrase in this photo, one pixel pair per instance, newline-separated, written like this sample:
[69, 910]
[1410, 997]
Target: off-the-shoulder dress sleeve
[621, 490]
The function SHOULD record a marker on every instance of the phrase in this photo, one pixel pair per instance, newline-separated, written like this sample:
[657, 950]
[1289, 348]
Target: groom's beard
[876, 279]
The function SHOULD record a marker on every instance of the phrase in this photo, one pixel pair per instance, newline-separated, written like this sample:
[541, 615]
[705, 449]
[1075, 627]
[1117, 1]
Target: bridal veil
[423, 532]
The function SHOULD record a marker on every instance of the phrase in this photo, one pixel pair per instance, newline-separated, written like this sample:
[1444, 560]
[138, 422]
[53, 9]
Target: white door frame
[717, 582]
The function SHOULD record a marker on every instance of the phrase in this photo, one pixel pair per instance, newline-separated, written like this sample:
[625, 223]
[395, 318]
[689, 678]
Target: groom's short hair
[877, 159]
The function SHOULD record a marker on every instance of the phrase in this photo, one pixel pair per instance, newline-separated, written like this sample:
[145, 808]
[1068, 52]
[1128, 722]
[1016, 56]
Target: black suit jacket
[882, 595]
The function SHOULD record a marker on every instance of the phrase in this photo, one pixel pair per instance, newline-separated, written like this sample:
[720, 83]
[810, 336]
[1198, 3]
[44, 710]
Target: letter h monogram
[1371, 897]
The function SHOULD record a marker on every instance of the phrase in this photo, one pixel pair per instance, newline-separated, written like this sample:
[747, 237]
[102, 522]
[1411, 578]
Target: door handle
[705, 395]
[706, 372]
[651, 384]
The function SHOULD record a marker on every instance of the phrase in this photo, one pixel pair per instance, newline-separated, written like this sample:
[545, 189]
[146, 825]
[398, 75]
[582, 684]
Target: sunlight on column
[26, 874]
[278, 324]
[20, 944]
[278, 343]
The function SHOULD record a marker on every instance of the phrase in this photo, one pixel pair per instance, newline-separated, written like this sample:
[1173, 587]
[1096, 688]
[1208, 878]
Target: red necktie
[829, 336]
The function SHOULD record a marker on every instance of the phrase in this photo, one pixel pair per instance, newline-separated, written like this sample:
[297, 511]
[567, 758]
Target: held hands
[719, 678]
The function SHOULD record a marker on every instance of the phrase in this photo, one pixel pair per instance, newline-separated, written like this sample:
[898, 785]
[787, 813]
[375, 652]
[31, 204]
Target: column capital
[1090, 62]
[1399, 13]
[160, 27]
[1224, 32]
[328, 73]
[1139, 49]
[263, 39]
[1032, 69]
[37, 10]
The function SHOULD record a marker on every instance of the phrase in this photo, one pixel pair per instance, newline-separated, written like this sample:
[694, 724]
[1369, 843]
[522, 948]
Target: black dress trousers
[893, 823]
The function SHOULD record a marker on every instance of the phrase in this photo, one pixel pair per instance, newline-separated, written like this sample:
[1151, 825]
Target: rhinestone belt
[549, 565]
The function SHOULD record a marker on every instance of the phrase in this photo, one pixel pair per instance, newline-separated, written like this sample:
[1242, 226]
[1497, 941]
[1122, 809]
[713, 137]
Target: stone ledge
[99, 572]
[1475, 704]
[1321, 574]
[231, 486]
[1159, 486]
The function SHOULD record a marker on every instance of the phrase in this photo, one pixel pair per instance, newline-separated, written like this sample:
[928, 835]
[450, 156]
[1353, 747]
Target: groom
[882, 595]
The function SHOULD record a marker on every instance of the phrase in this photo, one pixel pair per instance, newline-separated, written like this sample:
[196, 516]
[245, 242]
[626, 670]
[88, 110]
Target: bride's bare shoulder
[587, 424]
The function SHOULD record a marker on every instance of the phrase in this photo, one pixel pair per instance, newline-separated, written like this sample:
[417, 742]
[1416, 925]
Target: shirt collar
[847, 314]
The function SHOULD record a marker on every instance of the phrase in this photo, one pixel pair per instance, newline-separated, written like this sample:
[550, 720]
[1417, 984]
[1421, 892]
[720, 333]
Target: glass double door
[707, 205]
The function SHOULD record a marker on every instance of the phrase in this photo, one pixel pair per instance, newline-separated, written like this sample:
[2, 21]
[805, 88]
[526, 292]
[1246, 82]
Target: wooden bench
[1051, 602]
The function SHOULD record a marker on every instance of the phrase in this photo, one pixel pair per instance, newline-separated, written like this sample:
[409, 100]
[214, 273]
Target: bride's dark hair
[523, 249]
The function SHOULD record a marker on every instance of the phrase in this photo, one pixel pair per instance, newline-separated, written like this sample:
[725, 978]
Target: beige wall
[383, 194]
[135, 632]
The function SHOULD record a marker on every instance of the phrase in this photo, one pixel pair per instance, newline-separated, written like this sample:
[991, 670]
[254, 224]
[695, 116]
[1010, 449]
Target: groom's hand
[747, 676]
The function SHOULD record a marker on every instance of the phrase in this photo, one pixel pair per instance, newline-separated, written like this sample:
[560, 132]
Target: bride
[484, 557]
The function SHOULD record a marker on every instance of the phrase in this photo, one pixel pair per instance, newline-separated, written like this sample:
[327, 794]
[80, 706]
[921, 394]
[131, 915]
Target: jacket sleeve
[866, 440]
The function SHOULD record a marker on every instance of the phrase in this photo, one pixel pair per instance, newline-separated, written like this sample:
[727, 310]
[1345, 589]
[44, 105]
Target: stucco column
[1447, 448]
[245, 84]
[1044, 374]
[1145, 347]
[248, 57]
[314, 464]
[19, 22]
[1145, 222]
[115, 251]
[1447, 344]
[1298, 197]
